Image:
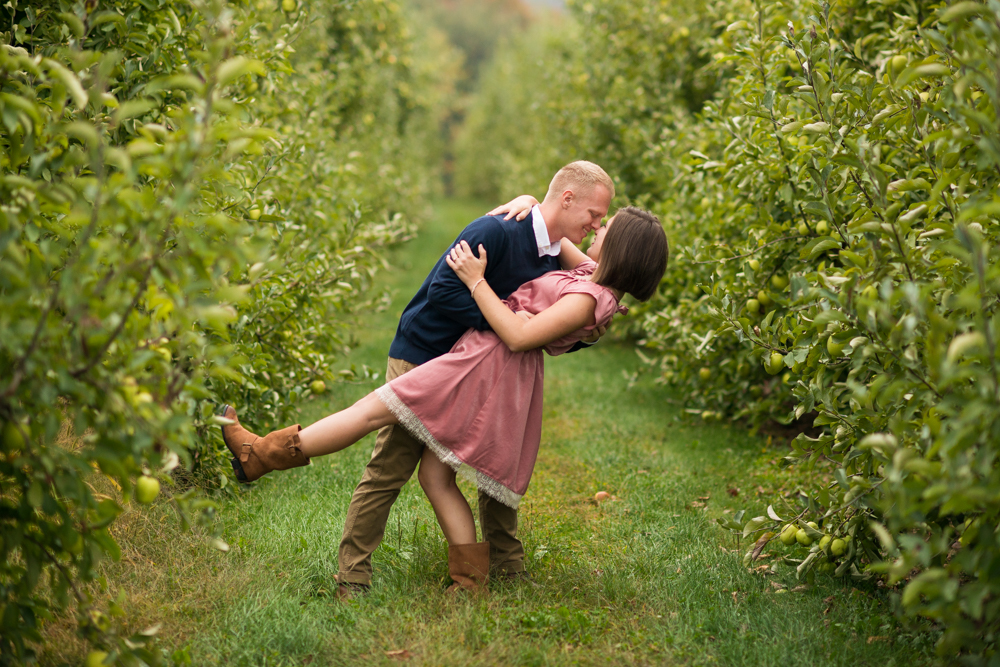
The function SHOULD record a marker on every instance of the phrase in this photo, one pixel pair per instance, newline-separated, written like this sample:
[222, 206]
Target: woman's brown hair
[634, 254]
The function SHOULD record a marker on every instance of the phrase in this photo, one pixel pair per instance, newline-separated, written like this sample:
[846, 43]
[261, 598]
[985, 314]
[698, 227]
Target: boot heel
[469, 567]
[238, 470]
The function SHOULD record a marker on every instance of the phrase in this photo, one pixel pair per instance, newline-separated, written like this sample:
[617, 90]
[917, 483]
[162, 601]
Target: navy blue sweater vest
[443, 309]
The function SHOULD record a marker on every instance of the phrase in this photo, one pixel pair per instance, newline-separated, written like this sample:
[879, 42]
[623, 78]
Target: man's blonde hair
[581, 177]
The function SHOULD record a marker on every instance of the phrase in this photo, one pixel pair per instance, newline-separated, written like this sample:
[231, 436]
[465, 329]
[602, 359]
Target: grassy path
[646, 579]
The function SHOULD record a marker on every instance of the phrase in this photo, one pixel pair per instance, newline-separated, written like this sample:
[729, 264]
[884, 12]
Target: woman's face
[594, 251]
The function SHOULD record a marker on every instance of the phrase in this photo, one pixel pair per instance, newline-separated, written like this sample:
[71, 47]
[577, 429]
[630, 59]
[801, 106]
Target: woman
[478, 408]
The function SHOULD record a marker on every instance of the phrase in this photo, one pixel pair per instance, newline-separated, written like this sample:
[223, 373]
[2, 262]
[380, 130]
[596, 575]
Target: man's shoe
[521, 578]
[347, 591]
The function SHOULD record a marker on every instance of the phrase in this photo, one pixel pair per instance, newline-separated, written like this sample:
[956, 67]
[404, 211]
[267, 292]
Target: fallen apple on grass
[146, 489]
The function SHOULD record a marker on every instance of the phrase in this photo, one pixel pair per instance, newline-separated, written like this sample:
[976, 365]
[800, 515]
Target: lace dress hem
[410, 421]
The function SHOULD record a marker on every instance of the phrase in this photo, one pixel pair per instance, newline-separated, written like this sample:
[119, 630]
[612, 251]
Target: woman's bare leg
[342, 429]
[453, 513]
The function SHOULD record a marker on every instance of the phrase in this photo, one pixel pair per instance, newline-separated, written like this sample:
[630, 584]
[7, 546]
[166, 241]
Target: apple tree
[193, 197]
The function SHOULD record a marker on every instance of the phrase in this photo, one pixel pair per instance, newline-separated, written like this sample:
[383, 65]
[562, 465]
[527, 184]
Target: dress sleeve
[584, 268]
[606, 306]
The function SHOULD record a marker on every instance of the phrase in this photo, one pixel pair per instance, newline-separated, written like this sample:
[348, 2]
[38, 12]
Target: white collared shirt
[545, 247]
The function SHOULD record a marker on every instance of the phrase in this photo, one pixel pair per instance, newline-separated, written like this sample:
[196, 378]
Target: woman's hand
[519, 207]
[469, 268]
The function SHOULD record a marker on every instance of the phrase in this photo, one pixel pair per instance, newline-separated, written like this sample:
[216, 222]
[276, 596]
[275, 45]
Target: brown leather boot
[254, 456]
[469, 566]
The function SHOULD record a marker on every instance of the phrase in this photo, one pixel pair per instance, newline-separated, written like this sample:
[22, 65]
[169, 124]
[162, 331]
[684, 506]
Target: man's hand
[594, 336]
[519, 207]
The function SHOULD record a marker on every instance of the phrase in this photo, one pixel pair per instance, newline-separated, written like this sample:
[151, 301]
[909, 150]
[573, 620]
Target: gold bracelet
[472, 290]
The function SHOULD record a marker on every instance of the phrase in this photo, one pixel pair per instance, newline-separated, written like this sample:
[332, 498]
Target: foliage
[527, 117]
[854, 161]
[835, 211]
[606, 88]
[475, 27]
[190, 209]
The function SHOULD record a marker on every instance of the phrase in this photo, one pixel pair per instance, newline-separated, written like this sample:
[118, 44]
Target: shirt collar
[545, 247]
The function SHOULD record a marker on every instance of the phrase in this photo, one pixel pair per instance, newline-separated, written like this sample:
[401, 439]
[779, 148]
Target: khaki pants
[393, 462]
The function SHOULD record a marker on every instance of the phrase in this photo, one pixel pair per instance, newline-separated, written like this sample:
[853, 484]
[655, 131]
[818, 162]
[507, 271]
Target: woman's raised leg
[453, 513]
[342, 429]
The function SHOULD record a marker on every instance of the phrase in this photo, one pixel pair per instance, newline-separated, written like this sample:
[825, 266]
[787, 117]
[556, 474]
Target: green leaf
[236, 67]
[823, 246]
[69, 80]
[962, 10]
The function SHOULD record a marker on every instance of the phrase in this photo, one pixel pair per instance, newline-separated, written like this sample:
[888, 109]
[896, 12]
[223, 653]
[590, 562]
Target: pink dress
[479, 407]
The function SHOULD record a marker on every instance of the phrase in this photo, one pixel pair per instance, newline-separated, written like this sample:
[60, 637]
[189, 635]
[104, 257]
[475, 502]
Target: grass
[645, 578]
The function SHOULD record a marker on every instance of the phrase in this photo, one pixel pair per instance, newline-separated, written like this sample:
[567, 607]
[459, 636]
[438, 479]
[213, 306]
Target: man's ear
[567, 198]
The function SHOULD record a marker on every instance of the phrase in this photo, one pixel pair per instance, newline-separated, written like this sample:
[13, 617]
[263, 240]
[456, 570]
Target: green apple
[754, 264]
[870, 292]
[95, 658]
[764, 298]
[705, 374]
[787, 535]
[13, 440]
[775, 363]
[822, 227]
[802, 537]
[833, 347]
[838, 547]
[318, 386]
[824, 541]
[780, 282]
[753, 306]
[813, 525]
[146, 489]
[254, 214]
[896, 65]
[803, 229]
[288, 6]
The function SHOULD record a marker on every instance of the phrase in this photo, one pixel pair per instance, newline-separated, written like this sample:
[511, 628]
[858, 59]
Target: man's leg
[499, 525]
[393, 461]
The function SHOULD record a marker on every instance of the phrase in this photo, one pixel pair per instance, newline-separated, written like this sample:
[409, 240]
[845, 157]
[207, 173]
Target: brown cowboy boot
[254, 456]
[469, 566]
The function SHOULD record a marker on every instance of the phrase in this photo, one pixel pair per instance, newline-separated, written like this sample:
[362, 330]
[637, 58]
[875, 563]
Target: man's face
[582, 215]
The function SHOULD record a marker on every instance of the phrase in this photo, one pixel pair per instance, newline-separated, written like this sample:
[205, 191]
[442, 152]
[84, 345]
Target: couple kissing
[463, 391]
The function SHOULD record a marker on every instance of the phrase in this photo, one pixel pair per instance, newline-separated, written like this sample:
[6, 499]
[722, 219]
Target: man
[442, 310]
